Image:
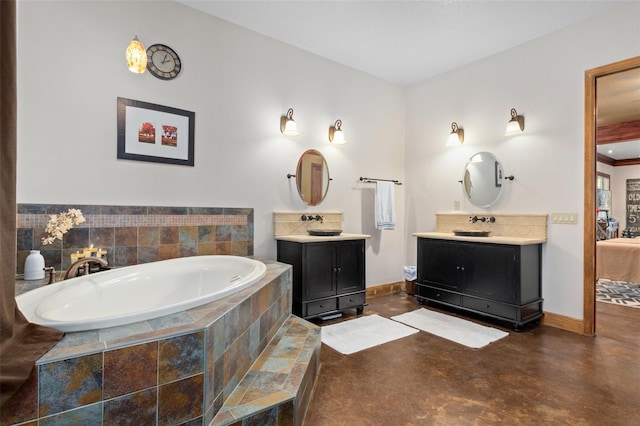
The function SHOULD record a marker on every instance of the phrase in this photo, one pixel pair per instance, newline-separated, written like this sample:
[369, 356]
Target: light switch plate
[564, 218]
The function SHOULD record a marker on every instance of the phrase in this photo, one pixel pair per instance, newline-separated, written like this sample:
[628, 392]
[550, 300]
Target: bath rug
[362, 333]
[451, 328]
[618, 292]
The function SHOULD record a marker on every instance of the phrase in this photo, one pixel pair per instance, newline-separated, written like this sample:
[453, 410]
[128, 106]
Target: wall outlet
[564, 218]
[456, 205]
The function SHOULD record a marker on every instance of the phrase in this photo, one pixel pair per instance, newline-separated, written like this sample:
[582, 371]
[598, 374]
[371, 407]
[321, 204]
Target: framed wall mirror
[312, 177]
[483, 179]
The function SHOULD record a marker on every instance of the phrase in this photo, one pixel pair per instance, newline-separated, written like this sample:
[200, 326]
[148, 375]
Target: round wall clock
[163, 62]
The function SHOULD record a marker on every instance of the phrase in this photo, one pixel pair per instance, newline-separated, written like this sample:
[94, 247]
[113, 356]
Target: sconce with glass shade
[288, 126]
[456, 137]
[335, 133]
[515, 126]
[136, 56]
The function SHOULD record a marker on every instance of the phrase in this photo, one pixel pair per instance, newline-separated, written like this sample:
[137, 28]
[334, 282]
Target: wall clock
[163, 62]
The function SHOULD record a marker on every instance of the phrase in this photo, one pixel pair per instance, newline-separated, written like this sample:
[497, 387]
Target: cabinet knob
[462, 268]
[339, 269]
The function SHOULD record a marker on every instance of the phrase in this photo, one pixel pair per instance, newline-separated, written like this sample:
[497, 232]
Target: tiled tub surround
[136, 234]
[506, 225]
[173, 370]
[290, 223]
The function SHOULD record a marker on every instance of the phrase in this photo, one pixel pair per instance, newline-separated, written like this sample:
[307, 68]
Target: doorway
[590, 159]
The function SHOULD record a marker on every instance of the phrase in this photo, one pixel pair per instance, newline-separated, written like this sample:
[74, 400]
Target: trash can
[410, 277]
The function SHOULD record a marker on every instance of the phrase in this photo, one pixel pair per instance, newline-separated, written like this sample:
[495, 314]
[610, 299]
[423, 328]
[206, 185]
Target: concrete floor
[541, 376]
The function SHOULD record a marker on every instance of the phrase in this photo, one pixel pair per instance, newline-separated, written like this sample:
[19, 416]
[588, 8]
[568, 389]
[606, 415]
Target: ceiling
[618, 101]
[405, 42]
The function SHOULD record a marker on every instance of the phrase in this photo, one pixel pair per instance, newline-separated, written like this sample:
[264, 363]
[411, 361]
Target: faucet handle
[52, 274]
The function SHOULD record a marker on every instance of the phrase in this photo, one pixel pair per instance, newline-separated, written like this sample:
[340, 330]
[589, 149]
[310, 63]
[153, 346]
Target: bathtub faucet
[85, 264]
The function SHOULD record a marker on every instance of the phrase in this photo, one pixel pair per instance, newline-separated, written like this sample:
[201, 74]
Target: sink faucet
[84, 264]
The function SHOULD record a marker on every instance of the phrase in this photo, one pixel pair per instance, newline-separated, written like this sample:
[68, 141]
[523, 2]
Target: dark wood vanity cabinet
[498, 280]
[328, 276]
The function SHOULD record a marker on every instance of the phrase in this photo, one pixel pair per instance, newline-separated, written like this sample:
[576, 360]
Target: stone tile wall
[177, 371]
[136, 234]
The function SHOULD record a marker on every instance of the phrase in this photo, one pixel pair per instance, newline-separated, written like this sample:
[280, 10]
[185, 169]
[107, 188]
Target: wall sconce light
[136, 56]
[335, 133]
[456, 136]
[515, 126]
[288, 126]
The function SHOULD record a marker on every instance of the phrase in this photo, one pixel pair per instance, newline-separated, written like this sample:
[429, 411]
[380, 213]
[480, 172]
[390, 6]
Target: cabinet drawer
[439, 295]
[321, 306]
[351, 301]
[490, 307]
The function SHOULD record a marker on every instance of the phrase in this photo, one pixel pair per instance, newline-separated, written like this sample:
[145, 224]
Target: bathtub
[138, 293]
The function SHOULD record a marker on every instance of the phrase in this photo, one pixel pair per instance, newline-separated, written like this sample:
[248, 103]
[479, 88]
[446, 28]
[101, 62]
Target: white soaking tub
[137, 293]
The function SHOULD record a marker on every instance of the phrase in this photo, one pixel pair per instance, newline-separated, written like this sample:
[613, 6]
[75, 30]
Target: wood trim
[563, 322]
[618, 132]
[379, 290]
[589, 269]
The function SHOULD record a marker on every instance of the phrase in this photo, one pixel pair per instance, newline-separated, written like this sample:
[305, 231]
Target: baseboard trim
[381, 289]
[563, 322]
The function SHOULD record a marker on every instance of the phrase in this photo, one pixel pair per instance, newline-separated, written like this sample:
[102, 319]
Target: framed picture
[150, 132]
[498, 174]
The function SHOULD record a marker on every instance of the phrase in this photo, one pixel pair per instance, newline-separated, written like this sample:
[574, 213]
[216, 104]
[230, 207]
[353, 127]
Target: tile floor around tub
[542, 375]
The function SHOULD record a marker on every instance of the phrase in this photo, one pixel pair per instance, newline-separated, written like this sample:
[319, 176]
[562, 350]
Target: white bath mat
[451, 328]
[355, 335]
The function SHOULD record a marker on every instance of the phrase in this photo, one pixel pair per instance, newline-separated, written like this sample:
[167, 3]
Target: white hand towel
[385, 205]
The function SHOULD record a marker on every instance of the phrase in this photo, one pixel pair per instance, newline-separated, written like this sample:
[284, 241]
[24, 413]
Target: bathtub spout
[83, 263]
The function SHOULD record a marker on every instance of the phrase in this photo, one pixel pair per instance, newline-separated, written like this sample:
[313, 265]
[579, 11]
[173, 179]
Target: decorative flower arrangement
[59, 224]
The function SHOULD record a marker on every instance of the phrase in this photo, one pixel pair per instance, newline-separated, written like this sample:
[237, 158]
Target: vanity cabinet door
[438, 263]
[319, 271]
[349, 266]
[490, 271]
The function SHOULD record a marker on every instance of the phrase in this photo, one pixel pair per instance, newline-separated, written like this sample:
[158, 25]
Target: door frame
[590, 111]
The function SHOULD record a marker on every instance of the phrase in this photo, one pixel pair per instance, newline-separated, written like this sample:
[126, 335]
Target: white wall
[71, 69]
[544, 80]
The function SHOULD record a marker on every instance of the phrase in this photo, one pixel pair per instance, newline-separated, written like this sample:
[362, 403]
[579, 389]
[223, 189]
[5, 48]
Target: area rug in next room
[618, 293]
[451, 328]
[355, 335]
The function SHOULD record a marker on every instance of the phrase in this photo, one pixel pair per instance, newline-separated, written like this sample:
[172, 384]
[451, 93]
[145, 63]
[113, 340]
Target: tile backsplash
[519, 225]
[290, 223]
[136, 234]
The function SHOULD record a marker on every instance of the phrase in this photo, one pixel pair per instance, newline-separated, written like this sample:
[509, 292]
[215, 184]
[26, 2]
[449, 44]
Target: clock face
[163, 62]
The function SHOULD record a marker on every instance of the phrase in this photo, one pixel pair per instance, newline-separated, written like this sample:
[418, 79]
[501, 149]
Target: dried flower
[61, 223]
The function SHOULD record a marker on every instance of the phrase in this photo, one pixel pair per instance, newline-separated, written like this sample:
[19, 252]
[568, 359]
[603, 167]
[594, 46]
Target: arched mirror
[482, 181]
[312, 177]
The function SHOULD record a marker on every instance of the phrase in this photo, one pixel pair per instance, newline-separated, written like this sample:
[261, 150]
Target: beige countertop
[304, 238]
[514, 241]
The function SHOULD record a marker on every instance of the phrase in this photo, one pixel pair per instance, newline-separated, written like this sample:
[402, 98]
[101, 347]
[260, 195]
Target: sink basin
[324, 232]
[471, 233]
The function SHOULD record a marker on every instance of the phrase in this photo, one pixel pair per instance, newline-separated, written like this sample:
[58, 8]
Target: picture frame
[155, 133]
